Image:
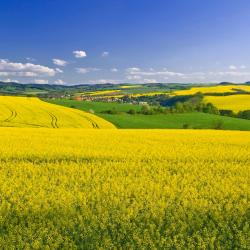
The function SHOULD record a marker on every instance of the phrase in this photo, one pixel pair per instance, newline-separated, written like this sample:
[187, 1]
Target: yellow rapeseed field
[32, 112]
[231, 102]
[213, 89]
[124, 189]
[130, 86]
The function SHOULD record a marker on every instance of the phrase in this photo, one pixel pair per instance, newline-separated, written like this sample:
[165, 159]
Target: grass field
[97, 107]
[32, 112]
[124, 189]
[171, 121]
[231, 102]
[213, 89]
[193, 120]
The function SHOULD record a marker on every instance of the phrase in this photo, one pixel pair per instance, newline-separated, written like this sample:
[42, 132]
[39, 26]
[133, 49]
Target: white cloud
[59, 70]
[59, 81]
[133, 77]
[114, 70]
[30, 59]
[59, 62]
[41, 81]
[105, 54]
[21, 74]
[103, 81]
[133, 70]
[151, 72]
[233, 75]
[149, 80]
[27, 74]
[79, 53]
[230, 73]
[9, 80]
[232, 67]
[85, 70]
[24, 69]
[164, 75]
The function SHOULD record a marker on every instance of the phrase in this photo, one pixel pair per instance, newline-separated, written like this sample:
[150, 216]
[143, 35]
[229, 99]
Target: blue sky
[95, 41]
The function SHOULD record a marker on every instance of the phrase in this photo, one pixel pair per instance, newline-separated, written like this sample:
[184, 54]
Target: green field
[97, 107]
[190, 120]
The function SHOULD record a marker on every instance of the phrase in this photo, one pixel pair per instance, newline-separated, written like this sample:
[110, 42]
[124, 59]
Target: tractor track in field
[12, 116]
[54, 120]
[94, 124]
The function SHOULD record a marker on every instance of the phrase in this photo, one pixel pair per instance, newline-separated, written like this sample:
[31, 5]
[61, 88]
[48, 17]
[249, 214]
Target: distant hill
[31, 89]
[56, 91]
[53, 90]
[226, 83]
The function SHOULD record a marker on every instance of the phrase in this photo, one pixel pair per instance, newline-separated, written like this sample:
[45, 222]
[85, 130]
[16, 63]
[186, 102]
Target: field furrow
[32, 112]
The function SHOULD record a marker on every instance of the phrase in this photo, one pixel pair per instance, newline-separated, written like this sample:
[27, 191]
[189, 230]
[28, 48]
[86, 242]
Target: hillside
[218, 89]
[190, 120]
[230, 102]
[32, 112]
[53, 90]
[225, 97]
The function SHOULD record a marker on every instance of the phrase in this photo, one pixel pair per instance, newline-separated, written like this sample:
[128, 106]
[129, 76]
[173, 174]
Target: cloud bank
[8, 68]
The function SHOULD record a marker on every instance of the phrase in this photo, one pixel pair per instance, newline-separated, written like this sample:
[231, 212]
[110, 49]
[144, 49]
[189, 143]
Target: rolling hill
[230, 102]
[32, 112]
[195, 120]
[219, 89]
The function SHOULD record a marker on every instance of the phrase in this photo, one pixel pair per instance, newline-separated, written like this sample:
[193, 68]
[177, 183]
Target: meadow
[195, 120]
[32, 112]
[124, 189]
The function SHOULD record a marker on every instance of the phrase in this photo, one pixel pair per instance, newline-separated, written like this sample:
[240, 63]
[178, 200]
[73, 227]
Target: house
[143, 103]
